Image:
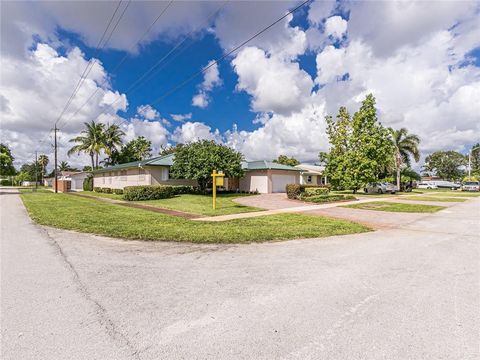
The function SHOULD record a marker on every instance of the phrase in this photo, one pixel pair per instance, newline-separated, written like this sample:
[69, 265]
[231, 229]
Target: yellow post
[214, 176]
[217, 180]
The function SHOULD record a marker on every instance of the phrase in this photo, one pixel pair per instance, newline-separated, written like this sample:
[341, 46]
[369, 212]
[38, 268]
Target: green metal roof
[163, 160]
[266, 165]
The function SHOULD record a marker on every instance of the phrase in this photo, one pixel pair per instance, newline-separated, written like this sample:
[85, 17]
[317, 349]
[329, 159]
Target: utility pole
[55, 170]
[36, 171]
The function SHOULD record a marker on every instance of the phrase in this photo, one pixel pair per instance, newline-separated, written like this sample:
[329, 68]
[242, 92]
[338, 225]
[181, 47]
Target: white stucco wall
[148, 175]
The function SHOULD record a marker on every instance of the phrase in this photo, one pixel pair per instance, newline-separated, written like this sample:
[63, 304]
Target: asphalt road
[405, 293]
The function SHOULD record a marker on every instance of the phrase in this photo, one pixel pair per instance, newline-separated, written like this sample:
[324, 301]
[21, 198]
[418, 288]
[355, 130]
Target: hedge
[294, 191]
[107, 190]
[6, 182]
[97, 189]
[88, 183]
[153, 192]
[118, 191]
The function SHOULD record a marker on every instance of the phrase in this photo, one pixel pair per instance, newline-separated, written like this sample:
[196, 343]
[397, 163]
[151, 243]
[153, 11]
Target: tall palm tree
[43, 161]
[90, 142]
[405, 146]
[112, 138]
[64, 166]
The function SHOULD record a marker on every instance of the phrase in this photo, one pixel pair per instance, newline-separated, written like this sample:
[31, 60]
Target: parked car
[441, 184]
[426, 185]
[380, 188]
[471, 186]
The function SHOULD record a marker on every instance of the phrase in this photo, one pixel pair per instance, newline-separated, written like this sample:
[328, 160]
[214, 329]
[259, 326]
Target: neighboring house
[268, 177]
[77, 180]
[312, 174]
[75, 177]
[154, 171]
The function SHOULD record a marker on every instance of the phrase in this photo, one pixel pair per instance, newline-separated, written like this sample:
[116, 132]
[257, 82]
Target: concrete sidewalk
[296, 209]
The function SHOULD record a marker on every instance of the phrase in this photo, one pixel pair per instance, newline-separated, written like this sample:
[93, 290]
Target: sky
[421, 60]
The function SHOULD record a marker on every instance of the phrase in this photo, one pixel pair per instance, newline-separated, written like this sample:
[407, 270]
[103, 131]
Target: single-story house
[75, 177]
[262, 176]
[312, 174]
[154, 171]
[267, 177]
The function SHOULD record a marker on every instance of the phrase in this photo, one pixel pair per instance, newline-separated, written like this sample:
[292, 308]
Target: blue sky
[420, 60]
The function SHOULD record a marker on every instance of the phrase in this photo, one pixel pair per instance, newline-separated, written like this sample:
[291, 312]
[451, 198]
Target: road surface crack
[101, 313]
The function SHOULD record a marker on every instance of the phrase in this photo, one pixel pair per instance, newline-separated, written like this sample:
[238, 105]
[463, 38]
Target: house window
[141, 174]
[123, 175]
[309, 179]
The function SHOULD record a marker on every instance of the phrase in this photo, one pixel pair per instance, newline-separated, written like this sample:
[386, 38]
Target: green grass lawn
[396, 207]
[91, 216]
[194, 204]
[434, 198]
[456, 194]
[202, 204]
[101, 195]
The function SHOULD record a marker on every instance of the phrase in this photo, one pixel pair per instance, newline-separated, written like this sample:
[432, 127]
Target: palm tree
[112, 138]
[405, 146]
[91, 142]
[64, 166]
[43, 161]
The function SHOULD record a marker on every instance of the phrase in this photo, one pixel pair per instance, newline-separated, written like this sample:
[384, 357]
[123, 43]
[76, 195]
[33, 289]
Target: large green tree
[285, 160]
[405, 146]
[135, 150]
[6, 161]
[360, 148]
[476, 160]
[91, 141]
[446, 164]
[197, 160]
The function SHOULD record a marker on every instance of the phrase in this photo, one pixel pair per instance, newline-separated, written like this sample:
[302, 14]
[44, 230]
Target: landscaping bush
[184, 189]
[88, 183]
[294, 191]
[149, 192]
[97, 189]
[118, 191]
[107, 190]
[327, 198]
[6, 182]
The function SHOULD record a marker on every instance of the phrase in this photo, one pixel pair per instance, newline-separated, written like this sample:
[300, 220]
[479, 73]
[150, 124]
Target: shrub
[184, 189]
[5, 182]
[118, 191]
[107, 190]
[149, 192]
[312, 191]
[327, 198]
[97, 189]
[88, 183]
[295, 191]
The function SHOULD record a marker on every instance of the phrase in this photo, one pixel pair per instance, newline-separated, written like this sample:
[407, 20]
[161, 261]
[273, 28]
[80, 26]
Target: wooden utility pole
[36, 171]
[55, 170]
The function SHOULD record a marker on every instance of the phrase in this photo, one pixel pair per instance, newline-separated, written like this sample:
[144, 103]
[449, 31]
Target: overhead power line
[120, 63]
[90, 64]
[215, 62]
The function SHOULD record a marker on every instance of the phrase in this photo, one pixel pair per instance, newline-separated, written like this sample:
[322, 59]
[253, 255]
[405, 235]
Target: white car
[442, 184]
[380, 188]
[426, 185]
[471, 186]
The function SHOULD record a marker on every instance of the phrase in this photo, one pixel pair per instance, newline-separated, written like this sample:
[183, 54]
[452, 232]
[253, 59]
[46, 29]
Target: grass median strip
[433, 198]
[396, 207]
[91, 216]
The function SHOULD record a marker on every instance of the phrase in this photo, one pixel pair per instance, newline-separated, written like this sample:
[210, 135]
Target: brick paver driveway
[269, 201]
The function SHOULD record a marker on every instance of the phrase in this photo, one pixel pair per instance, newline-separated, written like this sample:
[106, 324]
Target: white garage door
[259, 183]
[279, 182]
